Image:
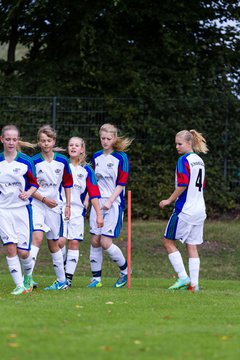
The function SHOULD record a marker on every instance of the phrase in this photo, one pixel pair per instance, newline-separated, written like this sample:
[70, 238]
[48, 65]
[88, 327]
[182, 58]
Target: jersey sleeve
[31, 179]
[183, 172]
[30, 175]
[91, 184]
[123, 170]
[67, 180]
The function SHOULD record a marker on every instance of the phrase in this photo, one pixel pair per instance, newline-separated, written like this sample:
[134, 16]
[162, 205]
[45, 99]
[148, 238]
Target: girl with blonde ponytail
[111, 168]
[187, 221]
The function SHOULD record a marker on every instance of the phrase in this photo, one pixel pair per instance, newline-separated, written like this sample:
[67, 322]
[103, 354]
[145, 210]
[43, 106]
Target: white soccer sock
[57, 259]
[96, 259]
[34, 253]
[176, 260]
[72, 261]
[64, 252]
[194, 268]
[15, 269]
[27, 265]
[117, 256]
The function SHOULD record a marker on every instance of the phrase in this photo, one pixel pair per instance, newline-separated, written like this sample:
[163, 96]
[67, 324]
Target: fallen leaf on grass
[109, 303]
[13, 345]
[137, 342]
[106, 348]
[224, 338]
[79, 306]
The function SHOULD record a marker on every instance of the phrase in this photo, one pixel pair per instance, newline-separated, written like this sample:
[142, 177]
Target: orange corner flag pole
[129, 242]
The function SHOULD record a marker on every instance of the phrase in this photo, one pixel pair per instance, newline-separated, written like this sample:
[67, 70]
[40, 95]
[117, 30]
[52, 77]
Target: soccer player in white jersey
[84, 188]
[111, 168]
[187, 220]
[17, 184]
[53, 173]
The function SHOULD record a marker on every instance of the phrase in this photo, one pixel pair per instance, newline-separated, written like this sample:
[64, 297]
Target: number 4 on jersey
[198, 182]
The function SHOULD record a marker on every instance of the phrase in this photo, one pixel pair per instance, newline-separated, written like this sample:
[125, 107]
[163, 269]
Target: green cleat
[19, 290]
[95, 284]
[28, 282]
[180, 284]
[121, 281]
[57, 285]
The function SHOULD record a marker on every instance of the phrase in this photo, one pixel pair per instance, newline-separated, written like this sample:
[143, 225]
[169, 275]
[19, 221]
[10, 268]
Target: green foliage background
[151, 68]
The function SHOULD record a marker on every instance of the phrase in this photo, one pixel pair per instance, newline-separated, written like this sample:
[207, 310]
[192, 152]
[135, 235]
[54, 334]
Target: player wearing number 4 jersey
[187, 220]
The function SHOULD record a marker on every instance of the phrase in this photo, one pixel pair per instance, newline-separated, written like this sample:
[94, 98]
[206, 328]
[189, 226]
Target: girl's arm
[24, 195]
[95, 204]
[68, 203]
[177, 192]
[115, 194]
[47, 201]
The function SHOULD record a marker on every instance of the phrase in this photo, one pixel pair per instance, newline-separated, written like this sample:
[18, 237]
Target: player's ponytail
[199, 144]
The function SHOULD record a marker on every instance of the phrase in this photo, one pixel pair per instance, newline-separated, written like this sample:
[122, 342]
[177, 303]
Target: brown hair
[51, 133]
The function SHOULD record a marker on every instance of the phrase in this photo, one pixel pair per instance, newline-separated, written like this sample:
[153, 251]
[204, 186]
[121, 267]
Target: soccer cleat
[193, 288]
[57, 285]
[95, 284]
[28, 282]
[121, 281]
[19, 290]
[180, 284]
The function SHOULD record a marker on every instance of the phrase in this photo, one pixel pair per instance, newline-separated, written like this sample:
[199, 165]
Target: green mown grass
[144, 322]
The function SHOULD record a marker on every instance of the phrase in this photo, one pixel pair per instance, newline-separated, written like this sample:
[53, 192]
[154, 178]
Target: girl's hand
[23, 195]
[50, 202]
[164, 203]
[107, 205]
[85, 203]
[67, 213]
[99, 220]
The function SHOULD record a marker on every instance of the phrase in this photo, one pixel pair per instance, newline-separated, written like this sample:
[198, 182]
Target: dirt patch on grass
[216, 246]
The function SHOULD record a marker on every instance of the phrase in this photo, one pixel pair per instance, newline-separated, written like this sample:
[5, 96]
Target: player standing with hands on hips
[111, 168]
[17, 184]
[187, 220]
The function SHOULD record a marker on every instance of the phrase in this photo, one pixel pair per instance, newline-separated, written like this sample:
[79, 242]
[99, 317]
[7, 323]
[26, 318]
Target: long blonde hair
[196, 138]
[83, 156]
[121, 143]
[21, 143]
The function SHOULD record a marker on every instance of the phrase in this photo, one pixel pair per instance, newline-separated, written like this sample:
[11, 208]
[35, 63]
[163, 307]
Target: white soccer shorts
[16, 226]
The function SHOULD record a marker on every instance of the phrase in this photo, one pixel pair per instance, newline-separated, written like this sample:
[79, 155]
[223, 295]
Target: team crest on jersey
[80, 176]
[40, 172]
[99, 176]
[58, 171]
[16, 170]
[110, 165]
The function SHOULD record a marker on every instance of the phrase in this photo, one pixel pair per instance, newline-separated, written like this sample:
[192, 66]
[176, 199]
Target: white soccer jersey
[51, 176]
[15, 176]
[190, 205]
[84, 181]
[111, 170]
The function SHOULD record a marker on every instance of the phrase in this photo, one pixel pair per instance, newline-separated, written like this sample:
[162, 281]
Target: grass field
[144, 322]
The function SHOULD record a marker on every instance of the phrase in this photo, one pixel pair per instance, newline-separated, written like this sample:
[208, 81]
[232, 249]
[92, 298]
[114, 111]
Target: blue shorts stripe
[119, 222]
[172, 227]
